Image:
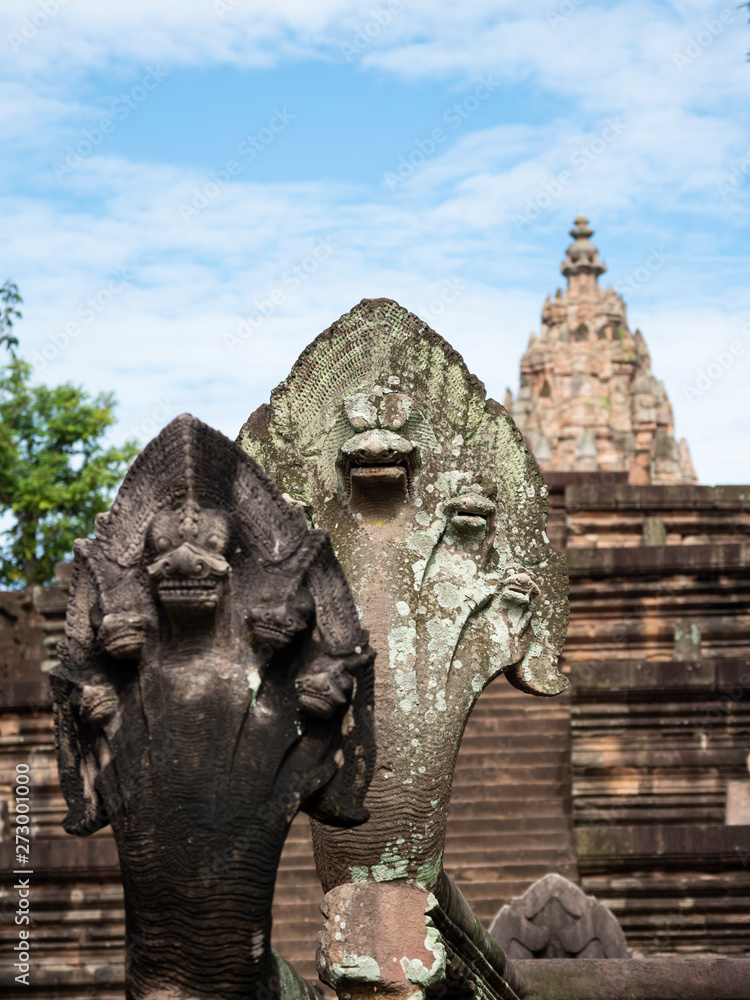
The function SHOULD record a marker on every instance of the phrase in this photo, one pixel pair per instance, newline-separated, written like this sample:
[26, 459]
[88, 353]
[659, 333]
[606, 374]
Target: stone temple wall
[620, 784]
[658, 654]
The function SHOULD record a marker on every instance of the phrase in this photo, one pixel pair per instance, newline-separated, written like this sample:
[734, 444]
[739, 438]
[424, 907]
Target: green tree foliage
[9, 313]
[55, 473]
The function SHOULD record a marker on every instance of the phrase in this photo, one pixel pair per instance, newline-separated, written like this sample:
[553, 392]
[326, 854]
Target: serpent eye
[214, 542]
[162, 543]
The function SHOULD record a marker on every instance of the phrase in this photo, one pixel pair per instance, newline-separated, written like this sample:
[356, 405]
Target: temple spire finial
[582, 257]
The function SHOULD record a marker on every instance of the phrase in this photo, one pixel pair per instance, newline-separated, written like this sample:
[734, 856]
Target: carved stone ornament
[437, 511]
[556, 919]
[214, 680]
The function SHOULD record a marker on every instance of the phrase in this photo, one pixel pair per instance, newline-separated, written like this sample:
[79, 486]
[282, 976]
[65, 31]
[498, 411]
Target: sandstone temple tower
[588, 401]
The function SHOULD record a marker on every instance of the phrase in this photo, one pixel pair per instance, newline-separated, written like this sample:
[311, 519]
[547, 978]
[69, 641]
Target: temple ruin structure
[588, 401]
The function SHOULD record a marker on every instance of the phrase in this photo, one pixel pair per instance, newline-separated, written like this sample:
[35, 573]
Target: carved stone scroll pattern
[555, 919]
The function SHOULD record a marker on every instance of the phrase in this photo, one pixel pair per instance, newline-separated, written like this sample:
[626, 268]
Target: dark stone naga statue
[214, 681]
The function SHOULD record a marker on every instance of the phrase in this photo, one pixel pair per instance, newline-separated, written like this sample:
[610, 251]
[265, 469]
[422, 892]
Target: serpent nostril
[183, 563]
[374, 445]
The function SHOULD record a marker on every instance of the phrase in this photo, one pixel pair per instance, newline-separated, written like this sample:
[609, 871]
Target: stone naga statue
[437, 511]
[214, 680]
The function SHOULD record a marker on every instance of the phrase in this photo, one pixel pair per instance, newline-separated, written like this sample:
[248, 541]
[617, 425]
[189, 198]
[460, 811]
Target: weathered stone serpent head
[214, 680]
[437, 511]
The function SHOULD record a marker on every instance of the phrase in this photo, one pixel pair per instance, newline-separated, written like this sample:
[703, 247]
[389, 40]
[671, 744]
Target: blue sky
[170, 168]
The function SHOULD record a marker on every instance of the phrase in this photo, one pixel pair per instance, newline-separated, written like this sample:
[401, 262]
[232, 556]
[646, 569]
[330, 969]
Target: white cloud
[163, 336]
[621, 48]
[708, 384]
[53, 35]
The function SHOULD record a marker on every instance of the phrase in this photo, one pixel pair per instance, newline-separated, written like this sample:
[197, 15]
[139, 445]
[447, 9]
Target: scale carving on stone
[214, 681]
[437, 512]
